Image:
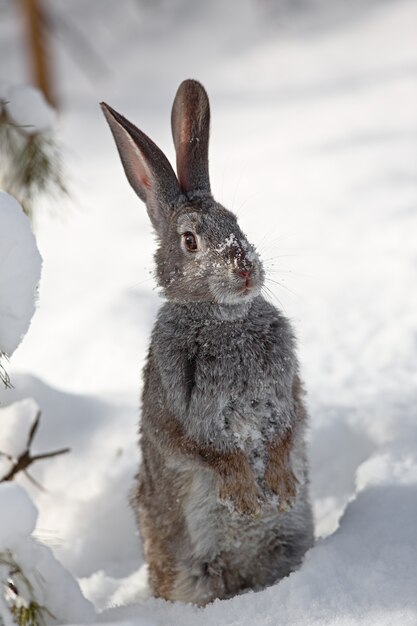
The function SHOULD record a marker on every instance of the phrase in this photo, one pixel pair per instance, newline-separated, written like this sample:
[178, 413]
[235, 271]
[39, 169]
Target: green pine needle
[30, 163]
[30, 612]
[28, 616]
[4, 377]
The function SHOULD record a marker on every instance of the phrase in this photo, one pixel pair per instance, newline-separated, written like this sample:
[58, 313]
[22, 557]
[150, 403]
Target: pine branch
[20, 596]
[30, 162]
[4, 376]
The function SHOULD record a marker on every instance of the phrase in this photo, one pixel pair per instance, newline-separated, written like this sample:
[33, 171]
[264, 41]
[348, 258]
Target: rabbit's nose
[243, 273]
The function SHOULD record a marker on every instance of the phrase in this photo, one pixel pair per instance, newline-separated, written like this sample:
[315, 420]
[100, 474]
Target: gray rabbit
[222, 494]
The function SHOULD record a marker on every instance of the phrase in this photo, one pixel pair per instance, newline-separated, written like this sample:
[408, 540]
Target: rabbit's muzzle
[247, 279]
[247, 271]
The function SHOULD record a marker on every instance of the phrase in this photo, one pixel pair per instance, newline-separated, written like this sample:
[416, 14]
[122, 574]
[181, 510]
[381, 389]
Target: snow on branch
[20, 270]
[35, 589]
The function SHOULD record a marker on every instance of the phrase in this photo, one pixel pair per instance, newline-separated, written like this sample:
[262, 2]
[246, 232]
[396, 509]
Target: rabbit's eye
[190, 242]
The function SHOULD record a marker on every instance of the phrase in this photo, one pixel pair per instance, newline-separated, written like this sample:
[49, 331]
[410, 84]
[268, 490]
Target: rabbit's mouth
[249, 290]
[250, 281]
[238, 289]
[245, 290]
[247, 286]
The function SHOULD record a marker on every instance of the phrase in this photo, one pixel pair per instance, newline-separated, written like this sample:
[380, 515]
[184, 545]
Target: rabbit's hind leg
[200, 582]
[161, 568]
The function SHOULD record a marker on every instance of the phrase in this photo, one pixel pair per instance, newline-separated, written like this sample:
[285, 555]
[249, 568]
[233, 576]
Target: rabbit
[222, 494]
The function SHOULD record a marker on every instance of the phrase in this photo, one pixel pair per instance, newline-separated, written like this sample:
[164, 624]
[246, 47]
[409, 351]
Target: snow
[51, 585]
[18, 515]
[313, 145]
[54, 587]
[20, 269]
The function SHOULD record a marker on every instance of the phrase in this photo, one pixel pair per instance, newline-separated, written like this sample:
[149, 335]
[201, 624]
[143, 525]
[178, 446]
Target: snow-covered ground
[314, 145]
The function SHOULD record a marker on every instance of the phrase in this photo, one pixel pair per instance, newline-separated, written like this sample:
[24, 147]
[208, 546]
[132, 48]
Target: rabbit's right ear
[147, 168]
[190, 122]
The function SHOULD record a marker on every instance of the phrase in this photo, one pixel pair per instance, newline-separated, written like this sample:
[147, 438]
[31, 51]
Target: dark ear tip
[111, 115]
[191, 82]
[192, 87]
[106, 108]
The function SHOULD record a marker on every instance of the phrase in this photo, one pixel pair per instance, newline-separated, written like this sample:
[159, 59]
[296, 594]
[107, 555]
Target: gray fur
[240, 367]
[220, 386]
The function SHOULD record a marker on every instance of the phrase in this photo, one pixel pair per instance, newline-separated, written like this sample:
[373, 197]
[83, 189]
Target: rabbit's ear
[147, 168]
[190, 121]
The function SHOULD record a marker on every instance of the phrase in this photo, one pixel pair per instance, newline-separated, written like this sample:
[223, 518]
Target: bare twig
[34, 481]
[22, 462]
[33, 429]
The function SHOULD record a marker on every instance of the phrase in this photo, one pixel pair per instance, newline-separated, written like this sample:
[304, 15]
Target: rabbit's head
[202, 255]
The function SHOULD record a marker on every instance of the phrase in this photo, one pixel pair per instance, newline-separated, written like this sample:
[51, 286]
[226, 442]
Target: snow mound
[50, 585]
[18, 515]
[20, 270]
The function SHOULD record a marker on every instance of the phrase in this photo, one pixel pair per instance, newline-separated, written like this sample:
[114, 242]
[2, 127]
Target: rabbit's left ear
[190, 121]
[147, 168]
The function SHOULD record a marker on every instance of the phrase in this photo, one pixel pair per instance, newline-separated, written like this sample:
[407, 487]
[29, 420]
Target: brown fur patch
[161, 562]
[279, 476]
[238, 484]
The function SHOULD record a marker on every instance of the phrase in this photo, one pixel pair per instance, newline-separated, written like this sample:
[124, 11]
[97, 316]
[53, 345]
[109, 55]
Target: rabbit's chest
[244, 363]
[227, 382]
[252, 373]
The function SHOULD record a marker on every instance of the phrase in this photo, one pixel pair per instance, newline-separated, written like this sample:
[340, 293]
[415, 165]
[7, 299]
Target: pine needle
[30, 163]
[4, 376]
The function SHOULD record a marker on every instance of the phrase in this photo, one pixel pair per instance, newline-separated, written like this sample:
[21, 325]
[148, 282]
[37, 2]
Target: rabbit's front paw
[279, 476]
[283, 483]
[245, 499]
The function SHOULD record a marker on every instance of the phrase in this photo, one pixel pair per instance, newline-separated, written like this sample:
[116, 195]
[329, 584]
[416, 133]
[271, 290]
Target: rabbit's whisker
[281, 256]
[276, 270]
[136, 285]
[276, 282]
[270, 295]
